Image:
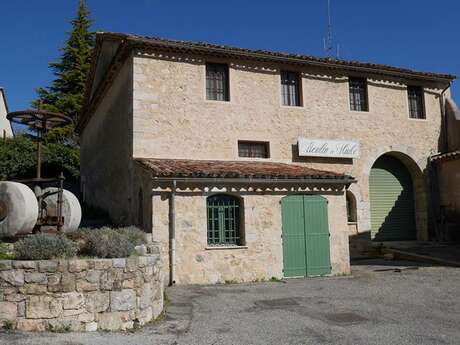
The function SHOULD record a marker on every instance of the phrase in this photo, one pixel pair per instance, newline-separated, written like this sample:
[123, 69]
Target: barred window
[290, 88]
[217, 82]
[358, 94]
[223, 220]
[253, 149]
[416, 102]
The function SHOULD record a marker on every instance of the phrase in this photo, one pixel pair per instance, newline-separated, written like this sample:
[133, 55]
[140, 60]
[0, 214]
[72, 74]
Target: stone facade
[261, 256]
[166, 115]
[80, 294]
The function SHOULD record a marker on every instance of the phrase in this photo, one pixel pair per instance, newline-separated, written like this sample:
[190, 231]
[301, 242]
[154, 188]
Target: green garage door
[305, 236]
[392, 201]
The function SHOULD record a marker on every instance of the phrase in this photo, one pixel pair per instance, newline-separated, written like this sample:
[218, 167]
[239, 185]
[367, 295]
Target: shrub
[43, 247]
[133, 235]
[103, 243]
[5, 252]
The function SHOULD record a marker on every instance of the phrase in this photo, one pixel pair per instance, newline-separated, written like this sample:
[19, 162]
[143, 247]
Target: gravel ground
[399, 303]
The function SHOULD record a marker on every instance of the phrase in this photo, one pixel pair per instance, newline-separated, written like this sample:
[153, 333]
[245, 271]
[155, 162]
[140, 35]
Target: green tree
[66, 93]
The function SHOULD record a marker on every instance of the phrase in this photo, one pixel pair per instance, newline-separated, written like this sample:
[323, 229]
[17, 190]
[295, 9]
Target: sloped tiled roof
[265, 54]
[182, 168]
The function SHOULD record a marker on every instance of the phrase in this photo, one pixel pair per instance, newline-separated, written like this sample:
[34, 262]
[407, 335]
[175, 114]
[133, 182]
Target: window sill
[291, 106]
[225, 247]
[352, 223]
[414, 119]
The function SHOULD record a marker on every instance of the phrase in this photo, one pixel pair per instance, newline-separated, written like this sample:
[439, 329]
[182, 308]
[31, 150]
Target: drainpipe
[172, 234]
[444, 120]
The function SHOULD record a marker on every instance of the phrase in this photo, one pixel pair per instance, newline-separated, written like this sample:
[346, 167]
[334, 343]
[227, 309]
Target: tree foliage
[19, 159]
[66, 93]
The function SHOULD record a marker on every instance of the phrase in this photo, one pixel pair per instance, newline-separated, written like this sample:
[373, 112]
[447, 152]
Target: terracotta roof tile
[331, 62]
[182, 168]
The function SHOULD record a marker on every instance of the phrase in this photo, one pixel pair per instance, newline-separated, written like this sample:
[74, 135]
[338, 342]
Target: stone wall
[80, 294]
[261, 255]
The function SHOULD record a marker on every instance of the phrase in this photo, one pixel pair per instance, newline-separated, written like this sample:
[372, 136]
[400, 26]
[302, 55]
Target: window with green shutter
[223, 220]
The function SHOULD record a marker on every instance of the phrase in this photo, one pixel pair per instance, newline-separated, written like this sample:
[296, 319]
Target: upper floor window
[358, 94]
[217, 82]
[290, 88]
[253, 149]
[223, 220]
[416, 102]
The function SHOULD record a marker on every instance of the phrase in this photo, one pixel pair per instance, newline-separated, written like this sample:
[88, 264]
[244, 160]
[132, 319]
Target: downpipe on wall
[172, 234]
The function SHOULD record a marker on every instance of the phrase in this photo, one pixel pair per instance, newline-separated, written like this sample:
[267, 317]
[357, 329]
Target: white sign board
[328, 148]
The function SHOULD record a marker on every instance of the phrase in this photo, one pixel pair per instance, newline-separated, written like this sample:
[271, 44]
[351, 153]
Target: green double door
[306, 250]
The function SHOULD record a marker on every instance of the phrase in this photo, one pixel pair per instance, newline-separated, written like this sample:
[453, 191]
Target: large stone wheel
[71, 209]
[18, 209]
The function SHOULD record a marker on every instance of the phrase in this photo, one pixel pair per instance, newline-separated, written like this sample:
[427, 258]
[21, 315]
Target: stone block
[21, 308]
[35, 277]
[145, 315]
[131, 264]
[97, 301]
[119, 263]
[110, 321]
[145, 297]
[91, 327]
[33, 289]
[14, 297]
[67, 282]
[73, 300]
[83, 285]
[54, 279]
[43, 307]
[49, 266]
[102, 264]
[78, 265]
[93, 276]
[21, 264]
[8, 311]
[13, 277]
[86, 317]
[27, 325]
[122, 300]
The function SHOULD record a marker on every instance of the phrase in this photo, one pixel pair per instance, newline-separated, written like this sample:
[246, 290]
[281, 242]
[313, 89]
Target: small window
[290, 88]
[217, 82]
[253, 149]
[223, 220]
[416, 102]
[358, 94]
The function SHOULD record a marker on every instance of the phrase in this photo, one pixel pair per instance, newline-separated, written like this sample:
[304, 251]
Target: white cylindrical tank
[71, 209]
[18, 209]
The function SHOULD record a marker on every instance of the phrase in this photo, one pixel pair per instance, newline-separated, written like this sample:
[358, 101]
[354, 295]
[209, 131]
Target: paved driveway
[376, 306]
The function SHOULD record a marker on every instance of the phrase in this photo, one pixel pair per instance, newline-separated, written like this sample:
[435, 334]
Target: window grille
[358, 94]
[290, 88]
[217, 82]
[223, 220]
[416, 102]
[253, 149]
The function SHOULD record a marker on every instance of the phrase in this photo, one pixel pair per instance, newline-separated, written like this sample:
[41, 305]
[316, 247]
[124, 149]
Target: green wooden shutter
[306, 249]
[293, 236]
[317, 235]
[392, 201]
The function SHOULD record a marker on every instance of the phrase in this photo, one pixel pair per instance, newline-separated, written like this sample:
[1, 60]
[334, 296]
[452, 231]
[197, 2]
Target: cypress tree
[65, 95]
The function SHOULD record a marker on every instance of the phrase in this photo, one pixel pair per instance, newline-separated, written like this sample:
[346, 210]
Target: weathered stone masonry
[80, 294]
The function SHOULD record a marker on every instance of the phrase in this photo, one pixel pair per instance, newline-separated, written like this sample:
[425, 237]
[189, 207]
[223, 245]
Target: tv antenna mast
[328, 41]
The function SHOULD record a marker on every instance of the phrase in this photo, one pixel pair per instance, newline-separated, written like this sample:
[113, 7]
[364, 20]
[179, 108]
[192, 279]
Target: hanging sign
[328, 148]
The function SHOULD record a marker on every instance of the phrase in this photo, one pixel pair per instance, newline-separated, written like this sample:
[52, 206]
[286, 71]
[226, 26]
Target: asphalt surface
[393, 303]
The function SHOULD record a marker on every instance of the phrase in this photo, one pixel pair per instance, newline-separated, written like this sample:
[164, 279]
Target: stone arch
[416, 167]
[363, 221]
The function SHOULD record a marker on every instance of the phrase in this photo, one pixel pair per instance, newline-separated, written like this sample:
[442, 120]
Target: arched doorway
[392, 202]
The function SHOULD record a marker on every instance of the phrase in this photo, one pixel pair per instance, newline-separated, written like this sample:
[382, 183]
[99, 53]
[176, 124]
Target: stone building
[5, 125]
[247, 165]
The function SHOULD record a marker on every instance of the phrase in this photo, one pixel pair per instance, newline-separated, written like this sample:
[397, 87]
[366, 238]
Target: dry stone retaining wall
[80, 294]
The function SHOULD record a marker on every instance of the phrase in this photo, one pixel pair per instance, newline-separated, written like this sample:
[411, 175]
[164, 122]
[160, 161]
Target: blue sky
[418, 34]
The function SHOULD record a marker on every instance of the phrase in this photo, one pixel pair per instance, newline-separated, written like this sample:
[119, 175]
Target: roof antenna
[328, 40]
